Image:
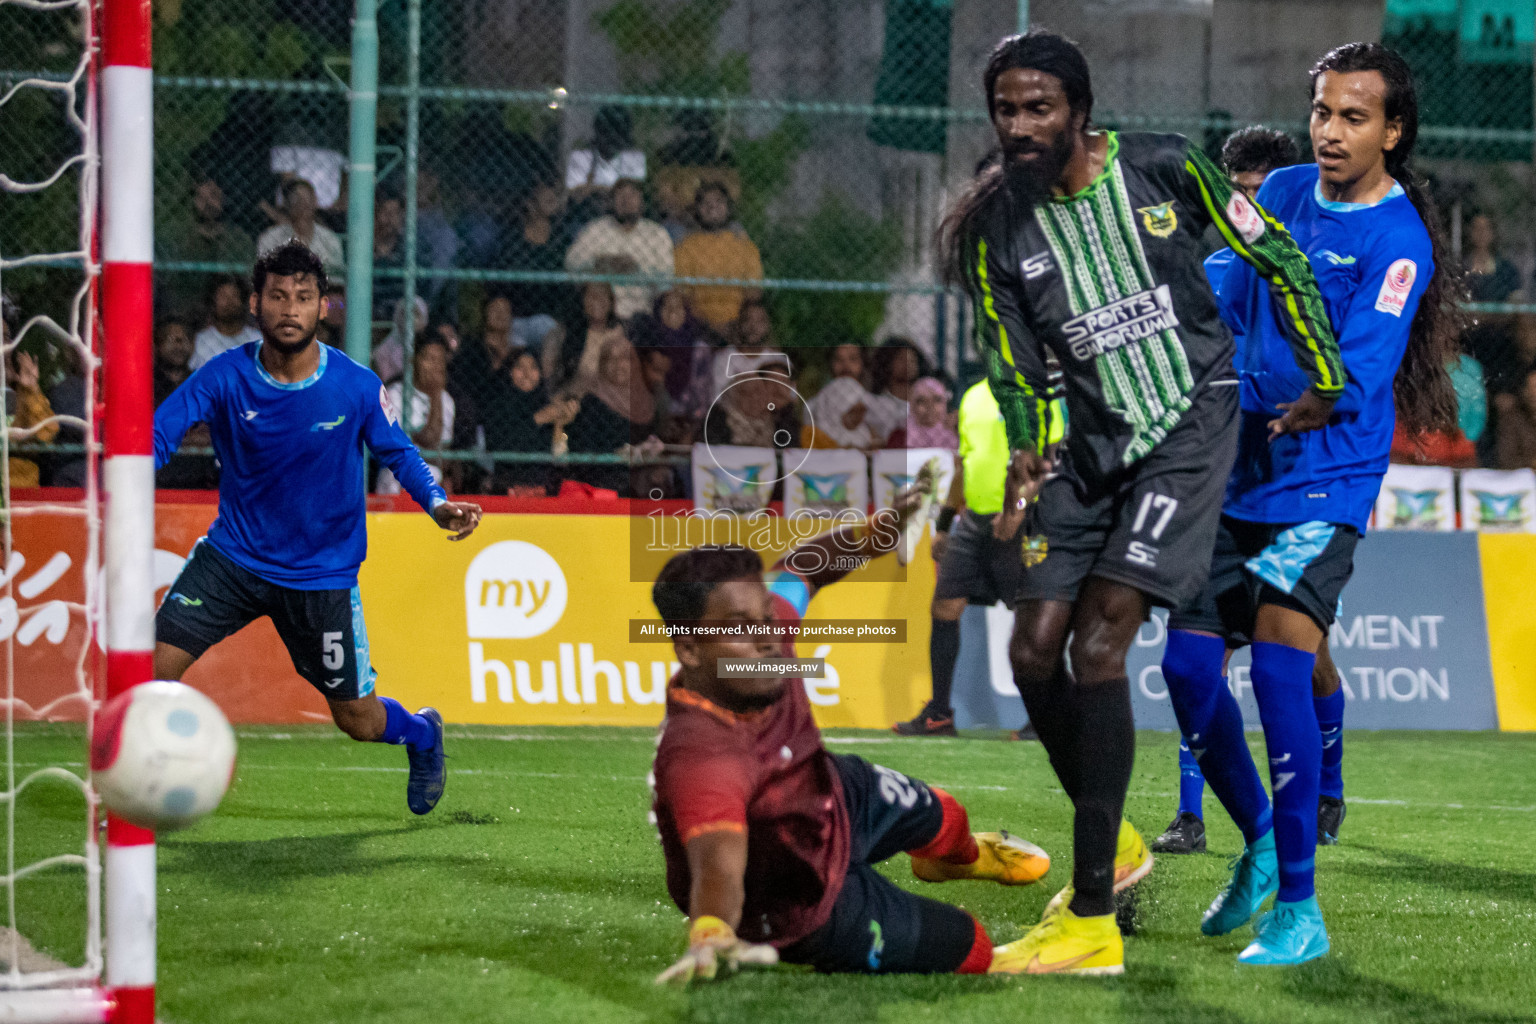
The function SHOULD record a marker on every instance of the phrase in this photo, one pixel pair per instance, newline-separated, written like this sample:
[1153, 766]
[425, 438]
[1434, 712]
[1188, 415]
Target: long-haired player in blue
[1248, 156]
[1297, 503]
[289, 418]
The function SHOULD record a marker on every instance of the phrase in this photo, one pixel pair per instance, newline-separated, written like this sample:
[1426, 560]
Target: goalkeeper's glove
[711, 942]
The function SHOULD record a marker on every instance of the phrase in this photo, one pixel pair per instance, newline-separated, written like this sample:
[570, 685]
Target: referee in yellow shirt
[974, 568]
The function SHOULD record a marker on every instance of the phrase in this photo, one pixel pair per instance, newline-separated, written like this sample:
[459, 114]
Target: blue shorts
[877, 927]
[1301, 566]
[214, 598]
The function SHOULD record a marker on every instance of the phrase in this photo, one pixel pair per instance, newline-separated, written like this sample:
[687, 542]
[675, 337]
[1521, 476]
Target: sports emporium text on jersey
[1120, 323]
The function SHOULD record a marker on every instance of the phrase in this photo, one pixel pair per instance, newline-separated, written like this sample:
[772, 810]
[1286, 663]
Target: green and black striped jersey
[1110, 281]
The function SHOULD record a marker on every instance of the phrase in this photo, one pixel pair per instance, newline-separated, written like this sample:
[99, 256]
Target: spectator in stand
[333, 326]
[673, 333]
[694, 154]
[539, 242]
[67, 398]
[429, 418]
[840, 410]
[624, 235]
[478, 374]
[388, 249]
[173, 365]
[173, 357]
[751, 345]
[570, 358]
[611, 157]
[231, 327]
[754, 409]
[299, 209]
[482, 240]
[927, 423]
[1516, 442]
[437, 244]
[617, 411]
[389, 354]
[1492, 338]
[1490, 277]
[896, 364]
[523, 418]
[206, 238]
[29, 415]
[717, 251]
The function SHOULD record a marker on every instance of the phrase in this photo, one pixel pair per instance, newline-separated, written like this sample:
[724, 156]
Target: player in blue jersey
[1297, 503]
[1248, 156]
[289, 418]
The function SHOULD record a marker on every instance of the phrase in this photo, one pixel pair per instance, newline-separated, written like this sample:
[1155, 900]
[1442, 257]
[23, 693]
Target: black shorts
[976, 566]
[1302, 566]
[877, 927]
[1151, 526]
[323, 629]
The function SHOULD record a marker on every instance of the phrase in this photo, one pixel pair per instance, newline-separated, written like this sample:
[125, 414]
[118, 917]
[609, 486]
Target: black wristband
[946, 517]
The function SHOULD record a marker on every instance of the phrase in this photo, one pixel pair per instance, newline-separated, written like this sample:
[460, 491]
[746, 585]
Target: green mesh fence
[577, 155]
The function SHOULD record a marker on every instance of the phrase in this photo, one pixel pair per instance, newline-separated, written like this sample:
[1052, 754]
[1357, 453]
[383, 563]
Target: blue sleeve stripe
[792, 588]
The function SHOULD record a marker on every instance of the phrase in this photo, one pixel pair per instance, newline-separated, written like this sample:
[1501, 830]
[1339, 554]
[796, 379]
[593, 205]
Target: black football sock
[1049, 704]
[1103, 750]
[943, 652]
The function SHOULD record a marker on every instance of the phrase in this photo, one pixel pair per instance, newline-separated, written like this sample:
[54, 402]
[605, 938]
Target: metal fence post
[412, 154]
[363, 103]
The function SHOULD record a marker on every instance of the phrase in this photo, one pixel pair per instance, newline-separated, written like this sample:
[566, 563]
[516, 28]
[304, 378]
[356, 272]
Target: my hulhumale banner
[1411, 646]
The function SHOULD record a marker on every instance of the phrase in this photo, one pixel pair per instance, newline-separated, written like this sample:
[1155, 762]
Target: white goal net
[50, 943]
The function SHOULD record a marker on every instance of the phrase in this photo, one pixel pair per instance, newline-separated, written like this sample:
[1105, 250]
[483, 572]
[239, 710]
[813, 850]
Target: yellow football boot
[1005, 859]
[1064, 943]
[1133, 862]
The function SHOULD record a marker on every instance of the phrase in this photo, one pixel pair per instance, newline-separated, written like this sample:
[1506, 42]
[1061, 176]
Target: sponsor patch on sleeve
[1245, 218]
[1393, 297]
[387, 406]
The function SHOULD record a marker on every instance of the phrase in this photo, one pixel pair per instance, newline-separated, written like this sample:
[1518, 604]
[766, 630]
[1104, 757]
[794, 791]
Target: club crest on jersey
[1160, 220]
[1245, 217]
[1393, 297]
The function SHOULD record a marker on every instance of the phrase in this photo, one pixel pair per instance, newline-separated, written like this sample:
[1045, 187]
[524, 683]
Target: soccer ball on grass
[162, 755]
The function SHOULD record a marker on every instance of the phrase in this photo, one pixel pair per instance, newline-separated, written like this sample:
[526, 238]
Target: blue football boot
[1255, 878]
[429, 769]
[1292, 933]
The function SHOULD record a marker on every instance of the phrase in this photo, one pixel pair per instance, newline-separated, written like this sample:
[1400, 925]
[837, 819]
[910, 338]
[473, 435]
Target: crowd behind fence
[634, 220]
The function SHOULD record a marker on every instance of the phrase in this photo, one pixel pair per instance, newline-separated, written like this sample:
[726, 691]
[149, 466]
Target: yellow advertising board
[1509, 567]
[527, 622]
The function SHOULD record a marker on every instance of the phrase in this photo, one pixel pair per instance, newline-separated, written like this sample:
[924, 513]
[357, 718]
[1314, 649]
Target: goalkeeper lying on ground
[769, 839]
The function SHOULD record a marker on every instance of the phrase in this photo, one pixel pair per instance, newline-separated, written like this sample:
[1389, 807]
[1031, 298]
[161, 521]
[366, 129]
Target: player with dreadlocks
[1086, 242]
[1296, 505]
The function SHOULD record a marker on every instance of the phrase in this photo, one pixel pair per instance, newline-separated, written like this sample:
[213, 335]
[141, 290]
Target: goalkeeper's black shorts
[877, 927]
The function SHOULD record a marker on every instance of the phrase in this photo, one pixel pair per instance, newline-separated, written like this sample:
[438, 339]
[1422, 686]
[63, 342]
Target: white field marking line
[1055, 790]
[500, 737]
[1138, 794]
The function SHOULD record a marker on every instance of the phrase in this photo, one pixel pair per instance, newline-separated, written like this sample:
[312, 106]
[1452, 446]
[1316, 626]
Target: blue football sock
[1282, 684]
[1191, 783]
[400, 726]
[1330, 725]
[1213, 728]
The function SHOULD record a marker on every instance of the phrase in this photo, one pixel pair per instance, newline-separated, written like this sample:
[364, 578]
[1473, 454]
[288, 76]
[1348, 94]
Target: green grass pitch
[534, 892]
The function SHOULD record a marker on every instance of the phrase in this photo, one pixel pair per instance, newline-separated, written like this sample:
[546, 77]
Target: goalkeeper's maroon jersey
[765, 774]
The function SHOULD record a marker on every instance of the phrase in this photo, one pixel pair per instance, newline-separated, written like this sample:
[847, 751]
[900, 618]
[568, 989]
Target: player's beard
[1032, 181]
[288, 348]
